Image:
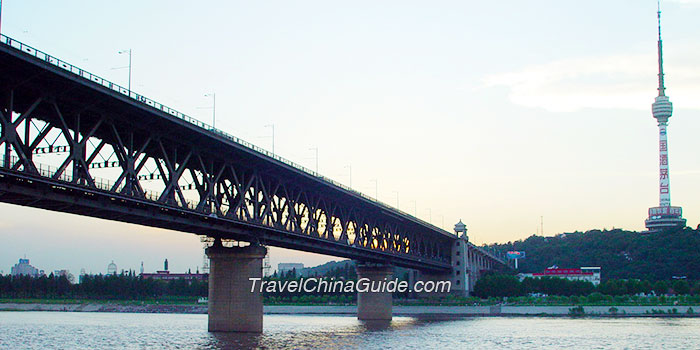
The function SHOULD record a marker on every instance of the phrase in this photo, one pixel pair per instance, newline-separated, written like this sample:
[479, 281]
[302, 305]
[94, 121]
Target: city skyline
[458, 118]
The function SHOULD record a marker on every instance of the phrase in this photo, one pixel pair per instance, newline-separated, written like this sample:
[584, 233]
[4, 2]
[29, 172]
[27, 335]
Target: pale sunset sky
[493, 112]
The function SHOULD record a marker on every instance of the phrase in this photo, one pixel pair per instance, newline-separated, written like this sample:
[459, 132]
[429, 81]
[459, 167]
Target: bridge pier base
[232, 305]
[374, 305]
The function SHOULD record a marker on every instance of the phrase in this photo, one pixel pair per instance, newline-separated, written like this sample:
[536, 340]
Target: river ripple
[68, 330]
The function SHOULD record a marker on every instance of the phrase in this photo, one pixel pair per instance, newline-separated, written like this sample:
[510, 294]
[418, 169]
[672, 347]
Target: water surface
[83, 330]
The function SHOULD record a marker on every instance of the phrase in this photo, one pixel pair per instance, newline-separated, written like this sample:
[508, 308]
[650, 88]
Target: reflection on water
[51, 330]
[377, 325]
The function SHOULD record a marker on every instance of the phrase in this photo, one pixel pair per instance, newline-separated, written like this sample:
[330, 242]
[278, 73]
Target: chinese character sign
[664, 179]
[659, 211]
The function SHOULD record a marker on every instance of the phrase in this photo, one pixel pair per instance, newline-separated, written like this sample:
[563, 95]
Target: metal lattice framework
[72, 142]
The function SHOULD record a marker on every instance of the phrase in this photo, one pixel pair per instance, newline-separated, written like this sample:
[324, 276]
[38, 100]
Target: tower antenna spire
[662, 88]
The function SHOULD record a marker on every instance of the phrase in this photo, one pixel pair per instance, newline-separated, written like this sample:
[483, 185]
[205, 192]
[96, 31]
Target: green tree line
[502, 285]
[620, 254]
[118, 287]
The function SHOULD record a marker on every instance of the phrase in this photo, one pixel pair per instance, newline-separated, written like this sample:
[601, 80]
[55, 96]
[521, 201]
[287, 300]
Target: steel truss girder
[224, 188]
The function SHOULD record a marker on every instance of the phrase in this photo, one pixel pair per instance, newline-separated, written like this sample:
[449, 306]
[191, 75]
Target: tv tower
[664, 216]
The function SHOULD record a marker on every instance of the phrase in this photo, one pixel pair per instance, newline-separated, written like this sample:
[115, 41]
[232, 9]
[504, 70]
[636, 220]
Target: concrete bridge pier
[232, 305]
[374, 305]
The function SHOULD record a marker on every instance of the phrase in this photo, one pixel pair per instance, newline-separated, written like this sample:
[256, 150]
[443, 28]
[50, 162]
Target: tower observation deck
[664, 216]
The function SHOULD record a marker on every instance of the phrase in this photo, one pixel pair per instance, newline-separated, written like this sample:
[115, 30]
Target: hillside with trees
[620, 254]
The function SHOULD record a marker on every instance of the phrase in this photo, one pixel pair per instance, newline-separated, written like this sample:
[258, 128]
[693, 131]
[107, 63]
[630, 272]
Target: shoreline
[398, 310]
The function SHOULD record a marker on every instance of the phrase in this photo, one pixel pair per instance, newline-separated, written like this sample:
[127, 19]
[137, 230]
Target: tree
[498, 286]
[620, 254]
[660, 287]
[613, 287]
[681, 287]
[633, 286]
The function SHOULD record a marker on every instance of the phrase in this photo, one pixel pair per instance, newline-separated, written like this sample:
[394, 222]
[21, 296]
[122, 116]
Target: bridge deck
[242, 192]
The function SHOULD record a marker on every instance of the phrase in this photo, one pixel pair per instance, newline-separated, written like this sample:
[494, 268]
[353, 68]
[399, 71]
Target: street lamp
[316, 150]
[376, 189]
[129, 52]
[273, 136]
[213, 109]
[349, 167]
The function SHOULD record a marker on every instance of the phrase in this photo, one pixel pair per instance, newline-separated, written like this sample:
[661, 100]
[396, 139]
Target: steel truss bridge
[73, 142]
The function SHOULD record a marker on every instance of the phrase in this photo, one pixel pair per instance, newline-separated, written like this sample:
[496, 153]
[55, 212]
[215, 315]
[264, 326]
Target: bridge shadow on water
[333, 332]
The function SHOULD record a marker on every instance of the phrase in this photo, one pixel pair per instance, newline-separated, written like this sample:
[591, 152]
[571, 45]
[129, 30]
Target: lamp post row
[272, 126]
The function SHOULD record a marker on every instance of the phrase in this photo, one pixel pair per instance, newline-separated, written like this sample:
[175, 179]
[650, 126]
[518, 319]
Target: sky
[500, 113]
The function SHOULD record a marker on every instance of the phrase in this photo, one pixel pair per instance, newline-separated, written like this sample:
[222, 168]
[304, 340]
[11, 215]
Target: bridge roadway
[73, 142]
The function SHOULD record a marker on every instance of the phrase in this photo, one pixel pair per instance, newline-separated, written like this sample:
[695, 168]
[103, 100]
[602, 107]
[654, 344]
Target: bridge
[73, 142]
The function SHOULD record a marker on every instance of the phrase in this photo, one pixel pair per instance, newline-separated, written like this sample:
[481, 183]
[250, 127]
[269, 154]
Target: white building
[23, 268]
[588, 273]
[112, 268]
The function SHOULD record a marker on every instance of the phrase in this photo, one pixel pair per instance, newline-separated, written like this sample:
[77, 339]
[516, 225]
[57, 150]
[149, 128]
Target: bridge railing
[490, 251]
[206, 127]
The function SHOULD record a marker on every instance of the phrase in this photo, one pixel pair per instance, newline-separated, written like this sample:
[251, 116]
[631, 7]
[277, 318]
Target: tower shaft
[664, 178]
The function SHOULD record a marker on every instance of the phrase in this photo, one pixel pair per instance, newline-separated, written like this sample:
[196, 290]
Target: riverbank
[398, 310]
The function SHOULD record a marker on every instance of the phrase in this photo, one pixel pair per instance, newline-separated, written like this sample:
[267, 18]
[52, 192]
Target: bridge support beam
[374, 305]
[233, 307]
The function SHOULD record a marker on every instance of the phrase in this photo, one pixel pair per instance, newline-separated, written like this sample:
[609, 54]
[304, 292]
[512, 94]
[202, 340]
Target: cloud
[615, 81]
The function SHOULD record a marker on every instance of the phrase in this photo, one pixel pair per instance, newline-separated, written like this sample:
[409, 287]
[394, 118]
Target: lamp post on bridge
[349, 167]
[213, 109]
[273, 136]
[129, 52]
[315, 149]
[376, 189]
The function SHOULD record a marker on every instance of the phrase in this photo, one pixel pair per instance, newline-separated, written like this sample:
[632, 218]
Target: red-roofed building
[590, 274]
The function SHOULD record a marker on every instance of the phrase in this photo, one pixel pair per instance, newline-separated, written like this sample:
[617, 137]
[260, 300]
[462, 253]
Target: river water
[83, 330]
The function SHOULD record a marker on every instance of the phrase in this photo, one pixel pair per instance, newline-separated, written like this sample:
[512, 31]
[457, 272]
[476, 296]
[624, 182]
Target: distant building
[66, 273]
[112, 268]
[284, 268]
[167, 276]
[23, 268]
[589, 274]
